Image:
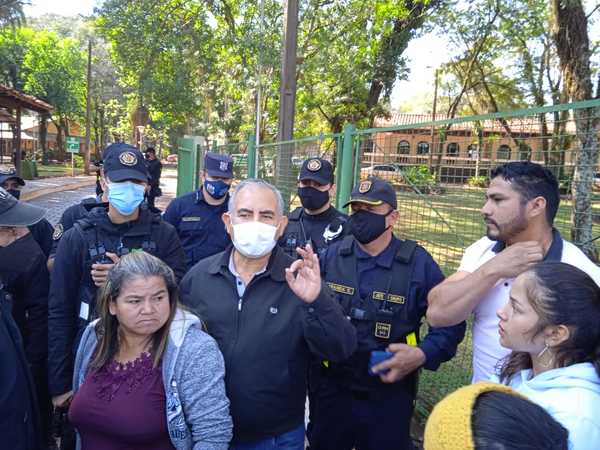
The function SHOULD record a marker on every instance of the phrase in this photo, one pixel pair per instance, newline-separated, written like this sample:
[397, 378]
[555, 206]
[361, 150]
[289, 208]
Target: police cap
[217, 165]
[14, 213]
[316, 169]
[373, 191]
[123, 162]
[11, 175]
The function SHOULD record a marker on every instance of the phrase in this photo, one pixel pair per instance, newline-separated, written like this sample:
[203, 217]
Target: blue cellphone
[377, 357]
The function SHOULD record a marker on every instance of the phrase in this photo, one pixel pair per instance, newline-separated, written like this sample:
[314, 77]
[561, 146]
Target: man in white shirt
[521, 203]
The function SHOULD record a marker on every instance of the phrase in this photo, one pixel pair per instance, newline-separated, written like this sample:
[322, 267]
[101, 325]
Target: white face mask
[254, 239]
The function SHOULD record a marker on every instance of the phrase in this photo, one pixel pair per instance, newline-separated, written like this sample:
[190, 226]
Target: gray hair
[258, 183]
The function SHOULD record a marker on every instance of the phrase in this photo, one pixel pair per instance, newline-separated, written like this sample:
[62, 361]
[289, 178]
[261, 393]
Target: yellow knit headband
[449, 425]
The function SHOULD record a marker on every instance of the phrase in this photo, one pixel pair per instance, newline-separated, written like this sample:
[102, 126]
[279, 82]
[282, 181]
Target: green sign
[72, 144]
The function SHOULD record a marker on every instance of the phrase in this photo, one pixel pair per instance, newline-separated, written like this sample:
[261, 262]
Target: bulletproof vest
[96, 254]
[385, 316]
[296, 236]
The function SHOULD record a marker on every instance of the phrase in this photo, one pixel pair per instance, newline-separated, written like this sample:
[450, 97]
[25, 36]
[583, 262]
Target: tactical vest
[385, 316]
[295, 234]
[96, 254]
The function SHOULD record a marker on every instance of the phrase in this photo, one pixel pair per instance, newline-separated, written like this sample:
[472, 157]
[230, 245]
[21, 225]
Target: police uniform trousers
[375, 419]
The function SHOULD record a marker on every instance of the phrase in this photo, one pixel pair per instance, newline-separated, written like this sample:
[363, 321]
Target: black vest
[96, 254]
[387, 315]
[295, 234]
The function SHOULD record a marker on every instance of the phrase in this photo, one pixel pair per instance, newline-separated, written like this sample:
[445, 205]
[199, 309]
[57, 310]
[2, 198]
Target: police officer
[74, 213]
[317, 222]
[382, 284]
[88, 251]
[154, 170]
[25, 279]
[41, 230]
[197, 215]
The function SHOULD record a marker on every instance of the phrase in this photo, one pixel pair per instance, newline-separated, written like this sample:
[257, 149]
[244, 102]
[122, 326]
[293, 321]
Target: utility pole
[88, 128]
[435, 93]
[287, 98]
[259, 85]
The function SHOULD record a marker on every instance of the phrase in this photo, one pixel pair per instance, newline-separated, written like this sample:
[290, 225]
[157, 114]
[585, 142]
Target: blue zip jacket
[193, 370]
[572, 396]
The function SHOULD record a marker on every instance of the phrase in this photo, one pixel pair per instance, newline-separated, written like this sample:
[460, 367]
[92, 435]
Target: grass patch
[57, 170]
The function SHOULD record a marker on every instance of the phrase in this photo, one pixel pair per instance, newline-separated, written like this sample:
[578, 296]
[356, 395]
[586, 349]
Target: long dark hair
[504, 421]
[133, 265]
[561, 294]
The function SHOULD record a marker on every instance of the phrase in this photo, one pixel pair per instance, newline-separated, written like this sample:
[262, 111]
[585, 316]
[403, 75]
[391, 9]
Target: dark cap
[14, 213]
[10, 175]
[316, 169]
[217, 165]
[373, 191]
[123, 162]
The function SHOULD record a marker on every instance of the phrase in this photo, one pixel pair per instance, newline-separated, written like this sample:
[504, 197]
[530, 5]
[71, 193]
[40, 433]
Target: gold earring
[545, 351]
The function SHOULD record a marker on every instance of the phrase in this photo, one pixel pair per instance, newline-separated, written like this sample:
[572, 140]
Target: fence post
[346, 178]
[251, 156]
[338, 169]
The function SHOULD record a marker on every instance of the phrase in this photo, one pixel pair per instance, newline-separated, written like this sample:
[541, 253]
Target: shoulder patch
[58, 231]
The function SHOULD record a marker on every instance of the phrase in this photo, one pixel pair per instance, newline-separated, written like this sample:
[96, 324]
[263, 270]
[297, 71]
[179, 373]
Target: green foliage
[78, 161]
[54, 70]
[419, 177]
[196, 64]
[480, 181]
[14, 43]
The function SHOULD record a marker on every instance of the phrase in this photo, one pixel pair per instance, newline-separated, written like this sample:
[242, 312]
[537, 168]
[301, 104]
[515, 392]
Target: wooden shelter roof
[11, 98]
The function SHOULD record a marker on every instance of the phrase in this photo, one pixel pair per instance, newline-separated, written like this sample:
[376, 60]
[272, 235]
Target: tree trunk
[43, 136]
[573, 48]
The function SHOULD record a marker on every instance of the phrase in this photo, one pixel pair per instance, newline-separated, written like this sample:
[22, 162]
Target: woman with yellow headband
[490, 416]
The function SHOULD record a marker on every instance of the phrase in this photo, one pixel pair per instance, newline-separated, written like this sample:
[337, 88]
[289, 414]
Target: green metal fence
[440, 169]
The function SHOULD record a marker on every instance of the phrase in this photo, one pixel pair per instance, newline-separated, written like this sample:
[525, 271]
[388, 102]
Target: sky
[424, 54]
[60, 7]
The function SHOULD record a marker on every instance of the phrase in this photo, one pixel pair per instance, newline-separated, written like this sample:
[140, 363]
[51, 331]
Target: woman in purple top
[146, 375]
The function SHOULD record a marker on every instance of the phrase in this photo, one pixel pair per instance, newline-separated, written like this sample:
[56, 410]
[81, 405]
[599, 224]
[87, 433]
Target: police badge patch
[365, 186]
[313, 165]
[128, 159]
[58, 231]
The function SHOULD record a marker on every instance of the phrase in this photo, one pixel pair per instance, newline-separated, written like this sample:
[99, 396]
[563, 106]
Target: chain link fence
[284, 172]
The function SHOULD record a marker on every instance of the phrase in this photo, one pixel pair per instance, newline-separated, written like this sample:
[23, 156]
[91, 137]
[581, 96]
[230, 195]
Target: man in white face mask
[268, 313]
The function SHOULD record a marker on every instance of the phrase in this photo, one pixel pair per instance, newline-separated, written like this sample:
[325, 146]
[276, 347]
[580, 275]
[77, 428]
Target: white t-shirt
[487, 351]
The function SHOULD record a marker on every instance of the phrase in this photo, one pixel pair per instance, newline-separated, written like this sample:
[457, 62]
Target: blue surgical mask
[216, 189]
[125, 196]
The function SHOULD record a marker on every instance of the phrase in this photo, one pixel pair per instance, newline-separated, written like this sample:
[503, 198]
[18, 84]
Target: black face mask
[367, 226]
[15, 193]
[312, 198]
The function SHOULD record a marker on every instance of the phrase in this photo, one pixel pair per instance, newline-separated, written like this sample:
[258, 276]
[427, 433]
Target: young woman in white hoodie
[552, 325]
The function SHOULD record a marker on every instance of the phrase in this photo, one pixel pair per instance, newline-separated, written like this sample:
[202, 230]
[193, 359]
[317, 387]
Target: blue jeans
[292, 440]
